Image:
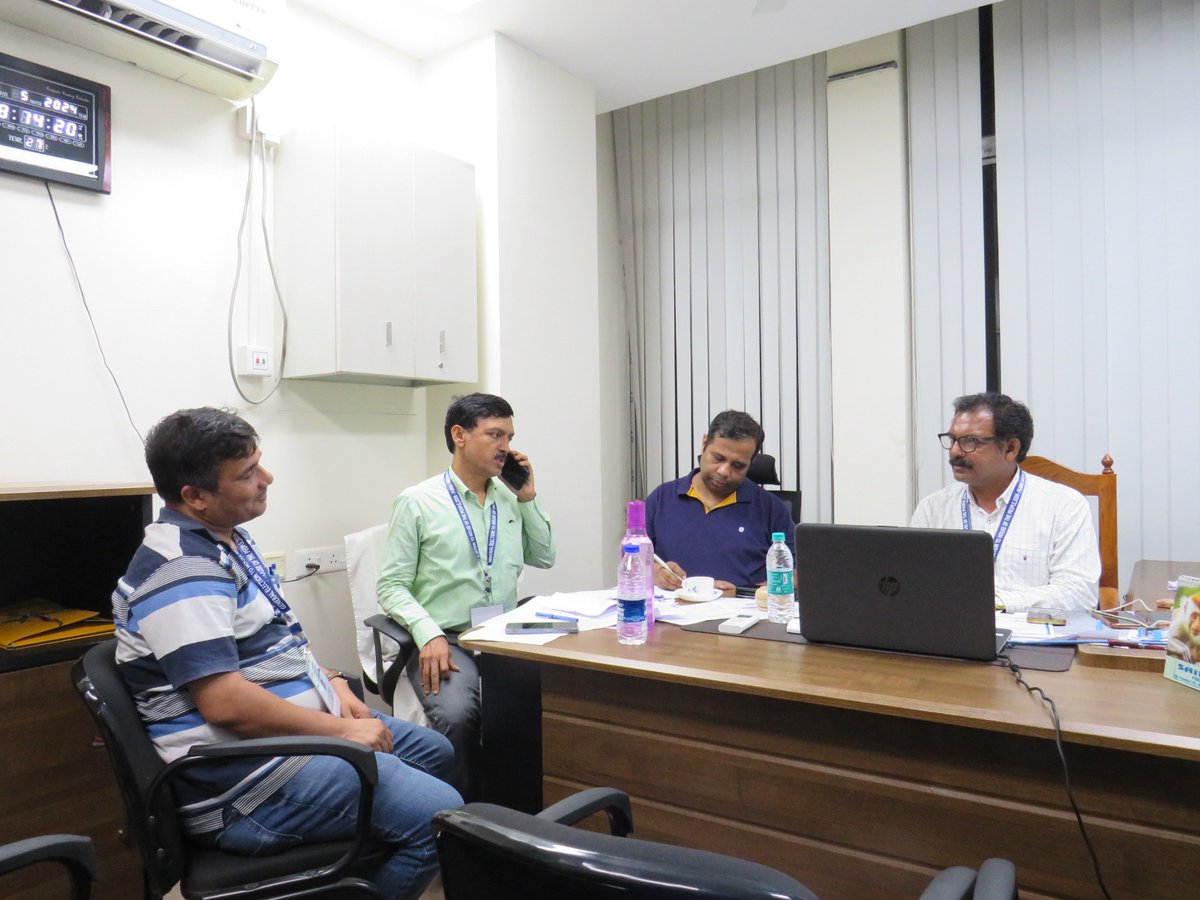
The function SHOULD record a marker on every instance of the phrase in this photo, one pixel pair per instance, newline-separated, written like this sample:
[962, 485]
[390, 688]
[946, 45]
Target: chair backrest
[364, 556]
[364, 551]
[762, 470]
[135, 763]
[492, 852]
[791, 499]
[1104, 487]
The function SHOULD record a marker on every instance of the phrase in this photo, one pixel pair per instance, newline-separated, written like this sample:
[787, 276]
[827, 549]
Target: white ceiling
[635, 50]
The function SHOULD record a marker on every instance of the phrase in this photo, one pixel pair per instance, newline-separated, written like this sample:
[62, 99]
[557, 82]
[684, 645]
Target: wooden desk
[863, 773]
[1148, 582]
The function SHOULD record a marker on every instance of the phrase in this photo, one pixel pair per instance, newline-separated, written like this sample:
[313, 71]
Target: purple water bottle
[635, 533]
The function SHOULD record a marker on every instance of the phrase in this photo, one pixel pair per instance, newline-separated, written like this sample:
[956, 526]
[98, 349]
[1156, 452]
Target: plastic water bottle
[635, 533]
[631, 597]
[780, 592]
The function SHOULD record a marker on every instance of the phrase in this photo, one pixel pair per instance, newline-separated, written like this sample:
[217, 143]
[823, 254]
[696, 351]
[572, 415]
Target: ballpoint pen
[546, 615]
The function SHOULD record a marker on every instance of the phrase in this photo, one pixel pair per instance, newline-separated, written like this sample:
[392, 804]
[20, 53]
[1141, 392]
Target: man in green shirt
[456, 543]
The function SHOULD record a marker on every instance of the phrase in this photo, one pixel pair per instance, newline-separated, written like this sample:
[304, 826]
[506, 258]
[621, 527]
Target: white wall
[156, 259]
[869, 285]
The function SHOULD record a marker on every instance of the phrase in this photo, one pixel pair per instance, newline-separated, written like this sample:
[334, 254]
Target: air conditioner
[218, 46]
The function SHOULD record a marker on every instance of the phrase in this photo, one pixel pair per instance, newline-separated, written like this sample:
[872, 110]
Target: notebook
[914, 590]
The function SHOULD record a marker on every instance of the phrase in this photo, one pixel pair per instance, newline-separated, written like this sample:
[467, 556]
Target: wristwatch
[334, 673]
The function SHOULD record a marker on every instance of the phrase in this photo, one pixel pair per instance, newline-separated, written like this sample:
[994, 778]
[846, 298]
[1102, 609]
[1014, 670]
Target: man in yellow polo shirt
[713, 521]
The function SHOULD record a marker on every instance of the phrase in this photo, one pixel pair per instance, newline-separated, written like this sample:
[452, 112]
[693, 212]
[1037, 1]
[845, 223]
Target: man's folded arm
[230, 702]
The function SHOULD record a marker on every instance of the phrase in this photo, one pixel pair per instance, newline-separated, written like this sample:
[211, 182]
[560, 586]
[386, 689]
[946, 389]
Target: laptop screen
[915, 590]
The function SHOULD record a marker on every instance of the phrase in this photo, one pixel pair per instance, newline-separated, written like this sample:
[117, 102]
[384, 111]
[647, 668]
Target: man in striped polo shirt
[211, 652]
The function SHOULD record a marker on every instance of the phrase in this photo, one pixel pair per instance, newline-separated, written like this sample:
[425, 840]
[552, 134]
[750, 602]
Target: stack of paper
[38, 622]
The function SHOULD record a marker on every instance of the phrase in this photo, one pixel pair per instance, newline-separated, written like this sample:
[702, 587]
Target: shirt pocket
[1032, 559]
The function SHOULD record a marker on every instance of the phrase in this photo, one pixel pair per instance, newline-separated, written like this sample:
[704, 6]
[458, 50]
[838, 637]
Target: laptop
[912, 590]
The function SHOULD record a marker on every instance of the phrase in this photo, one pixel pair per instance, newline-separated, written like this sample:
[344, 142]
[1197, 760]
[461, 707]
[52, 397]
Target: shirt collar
[465, 492]
[684, 487]
[1005, 495]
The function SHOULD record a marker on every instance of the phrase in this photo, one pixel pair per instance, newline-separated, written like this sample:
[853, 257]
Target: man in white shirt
[1043, 539]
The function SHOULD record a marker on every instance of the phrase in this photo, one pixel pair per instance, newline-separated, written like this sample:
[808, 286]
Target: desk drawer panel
[917, 794]
[831, 871]
[1011, 767]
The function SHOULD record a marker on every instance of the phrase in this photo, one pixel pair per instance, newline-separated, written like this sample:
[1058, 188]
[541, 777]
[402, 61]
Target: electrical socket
[278, 559]
[330, 559]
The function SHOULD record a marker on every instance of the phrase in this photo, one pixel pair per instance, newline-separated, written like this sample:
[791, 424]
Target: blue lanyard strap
[257, 571]
[1009, 511]
[466, 524]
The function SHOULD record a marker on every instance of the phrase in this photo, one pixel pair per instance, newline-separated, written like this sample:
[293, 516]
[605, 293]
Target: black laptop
[913, 590]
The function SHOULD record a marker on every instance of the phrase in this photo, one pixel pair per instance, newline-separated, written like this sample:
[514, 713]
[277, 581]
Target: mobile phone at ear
[514, 474]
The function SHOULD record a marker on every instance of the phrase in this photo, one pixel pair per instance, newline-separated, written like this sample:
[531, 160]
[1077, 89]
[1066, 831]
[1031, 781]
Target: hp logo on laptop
[889, 586]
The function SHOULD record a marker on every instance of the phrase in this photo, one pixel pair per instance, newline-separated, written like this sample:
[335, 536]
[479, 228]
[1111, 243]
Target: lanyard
[257, 571]
[1010, 510]
[466, 524]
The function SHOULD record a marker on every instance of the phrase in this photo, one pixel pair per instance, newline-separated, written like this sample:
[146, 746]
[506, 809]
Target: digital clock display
[53, 125]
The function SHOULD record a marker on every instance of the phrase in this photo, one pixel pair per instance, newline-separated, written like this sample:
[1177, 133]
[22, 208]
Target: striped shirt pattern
[186, 609]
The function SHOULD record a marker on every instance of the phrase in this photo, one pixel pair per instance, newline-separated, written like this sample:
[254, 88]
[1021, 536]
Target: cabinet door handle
[387, 334]
[442, 341]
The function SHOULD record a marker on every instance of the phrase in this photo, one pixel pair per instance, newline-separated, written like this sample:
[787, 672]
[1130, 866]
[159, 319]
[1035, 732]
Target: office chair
[384, 645]
[1104, 488]
[763, 473]
[168, 858]
[488, 852]
[72, 852]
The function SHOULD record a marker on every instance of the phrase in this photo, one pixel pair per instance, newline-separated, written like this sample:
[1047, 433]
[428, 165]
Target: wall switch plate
[254, 362]
[330, 559]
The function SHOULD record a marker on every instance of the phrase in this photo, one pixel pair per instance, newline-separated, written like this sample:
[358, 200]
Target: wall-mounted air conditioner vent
[220, 46]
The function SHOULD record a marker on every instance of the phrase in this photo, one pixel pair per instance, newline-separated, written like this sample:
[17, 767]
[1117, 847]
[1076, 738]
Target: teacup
[698, 586]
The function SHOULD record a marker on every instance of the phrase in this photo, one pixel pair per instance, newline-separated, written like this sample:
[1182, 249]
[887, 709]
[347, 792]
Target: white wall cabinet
[375, 241]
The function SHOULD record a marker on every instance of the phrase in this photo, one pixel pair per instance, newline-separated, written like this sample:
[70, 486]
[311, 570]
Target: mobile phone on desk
[549, 626]
[514, 474]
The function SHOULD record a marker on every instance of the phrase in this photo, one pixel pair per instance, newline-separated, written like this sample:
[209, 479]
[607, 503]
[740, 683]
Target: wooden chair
[1104, 487]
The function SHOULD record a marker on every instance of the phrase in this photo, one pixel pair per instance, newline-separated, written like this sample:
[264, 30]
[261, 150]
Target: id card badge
[481, 614]
[323, 685]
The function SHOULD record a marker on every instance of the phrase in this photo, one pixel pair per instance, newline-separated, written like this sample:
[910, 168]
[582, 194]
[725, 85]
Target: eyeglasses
[968, 443]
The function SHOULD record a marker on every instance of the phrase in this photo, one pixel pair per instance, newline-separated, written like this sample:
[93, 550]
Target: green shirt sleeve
[398, 570]
[537, 535]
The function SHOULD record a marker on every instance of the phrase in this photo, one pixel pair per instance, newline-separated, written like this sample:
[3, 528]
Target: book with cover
[1183, 640]
[35, 623]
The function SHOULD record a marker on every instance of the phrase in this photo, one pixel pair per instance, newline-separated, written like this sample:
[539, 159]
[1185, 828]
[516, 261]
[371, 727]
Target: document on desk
[683, 613]
[588, 609]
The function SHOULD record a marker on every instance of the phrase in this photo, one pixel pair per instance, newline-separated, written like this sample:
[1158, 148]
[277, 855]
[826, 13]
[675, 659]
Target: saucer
[686, 597]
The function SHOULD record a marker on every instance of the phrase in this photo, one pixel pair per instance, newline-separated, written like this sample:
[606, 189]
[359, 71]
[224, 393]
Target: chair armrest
[955, 883]
[385, 681]
[72, 851]
[579, 806]
[997, 880]
[358, 755]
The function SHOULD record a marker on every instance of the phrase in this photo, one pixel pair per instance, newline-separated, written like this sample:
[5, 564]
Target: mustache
[960, 462]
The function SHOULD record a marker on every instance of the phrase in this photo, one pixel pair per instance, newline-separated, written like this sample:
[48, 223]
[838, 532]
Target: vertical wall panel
[729, 250]
[945, 159]
[1097, 126]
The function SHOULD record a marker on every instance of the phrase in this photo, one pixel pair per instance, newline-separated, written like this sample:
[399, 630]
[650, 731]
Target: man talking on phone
[455, 547]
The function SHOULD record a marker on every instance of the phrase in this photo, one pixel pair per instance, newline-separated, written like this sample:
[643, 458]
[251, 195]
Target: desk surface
[1135, 711]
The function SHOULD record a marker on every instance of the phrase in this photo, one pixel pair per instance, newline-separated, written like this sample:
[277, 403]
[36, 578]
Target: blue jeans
[320, 803]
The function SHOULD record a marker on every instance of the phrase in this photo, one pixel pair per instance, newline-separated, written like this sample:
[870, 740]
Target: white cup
[698, 585]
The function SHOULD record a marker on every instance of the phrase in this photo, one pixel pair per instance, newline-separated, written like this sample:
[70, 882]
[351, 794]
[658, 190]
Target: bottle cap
[635, 514]
[777, 536]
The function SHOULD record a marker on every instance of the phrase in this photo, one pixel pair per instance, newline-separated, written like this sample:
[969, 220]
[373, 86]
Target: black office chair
[72, 852]
[310, 870]
[763, 473]
[489, 852]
